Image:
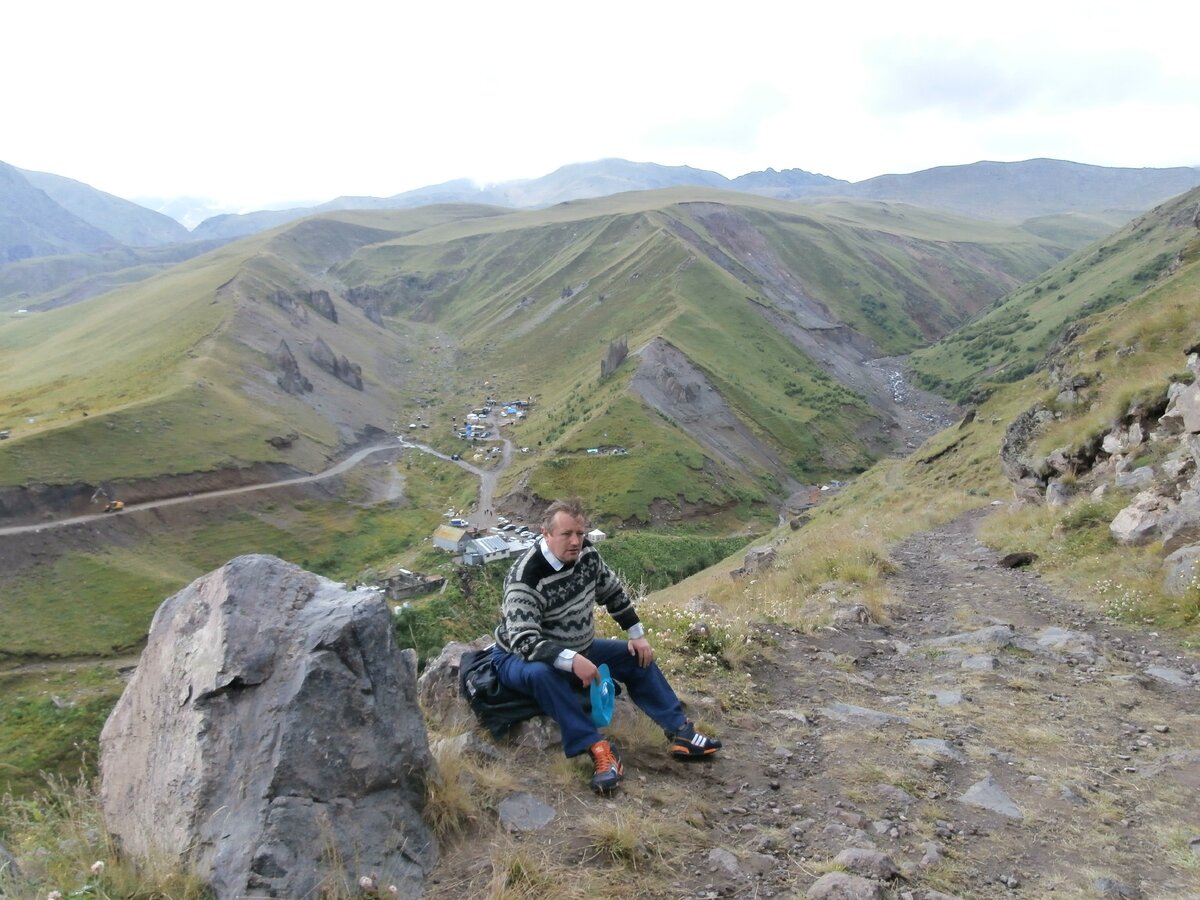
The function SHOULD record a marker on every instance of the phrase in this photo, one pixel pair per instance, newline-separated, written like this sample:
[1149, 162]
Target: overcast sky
[252, 103]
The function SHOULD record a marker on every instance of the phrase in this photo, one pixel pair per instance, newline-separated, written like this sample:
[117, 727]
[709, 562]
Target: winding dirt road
[488, 480]
[345, 465]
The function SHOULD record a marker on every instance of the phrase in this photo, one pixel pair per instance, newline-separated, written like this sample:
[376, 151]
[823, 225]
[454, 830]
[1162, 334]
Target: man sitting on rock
[546, 639]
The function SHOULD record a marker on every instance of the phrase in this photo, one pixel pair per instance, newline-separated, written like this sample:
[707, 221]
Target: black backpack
[496, 707]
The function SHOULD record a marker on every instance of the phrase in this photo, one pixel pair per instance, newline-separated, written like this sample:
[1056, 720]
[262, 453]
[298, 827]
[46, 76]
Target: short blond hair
[572, 506]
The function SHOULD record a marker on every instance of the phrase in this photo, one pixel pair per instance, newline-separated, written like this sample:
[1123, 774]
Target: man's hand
[640, 647]
[584, 669]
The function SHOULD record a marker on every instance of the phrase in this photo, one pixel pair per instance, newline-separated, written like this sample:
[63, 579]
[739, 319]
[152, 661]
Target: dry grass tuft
[517, 873]
[460, 789]
[60, 842]
[634, 840]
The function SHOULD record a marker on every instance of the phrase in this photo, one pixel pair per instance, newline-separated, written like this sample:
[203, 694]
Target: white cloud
[251, 103]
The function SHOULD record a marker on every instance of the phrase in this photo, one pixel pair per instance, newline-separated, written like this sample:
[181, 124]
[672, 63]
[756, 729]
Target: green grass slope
[1007, 341]
[762, 299]
[173, 374]
[744, 288]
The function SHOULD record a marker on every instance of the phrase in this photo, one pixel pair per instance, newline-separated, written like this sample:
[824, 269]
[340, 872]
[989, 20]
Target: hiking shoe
[609, 770]
[688, 743]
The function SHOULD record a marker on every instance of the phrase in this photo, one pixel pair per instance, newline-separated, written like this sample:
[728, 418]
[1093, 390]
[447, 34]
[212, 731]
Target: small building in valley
[450, 538]
[485, 550]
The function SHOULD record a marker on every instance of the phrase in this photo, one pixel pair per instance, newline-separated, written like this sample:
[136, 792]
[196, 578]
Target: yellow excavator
[115, 506]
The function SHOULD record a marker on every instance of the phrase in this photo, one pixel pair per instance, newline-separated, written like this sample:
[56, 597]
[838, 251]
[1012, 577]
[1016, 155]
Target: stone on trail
[982, 663]
[895, 794]
[1169, 676]
[271, 724]
[947, 698]
[1065, 641]
[986, 794]
[525, 812]
[995, 637]
[869, 863]
[860, 715]
[724, 860]
[841, 886]
[938, 747]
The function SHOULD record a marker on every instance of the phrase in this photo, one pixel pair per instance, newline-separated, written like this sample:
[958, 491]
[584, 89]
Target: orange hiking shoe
[609, 770]
[688, 743]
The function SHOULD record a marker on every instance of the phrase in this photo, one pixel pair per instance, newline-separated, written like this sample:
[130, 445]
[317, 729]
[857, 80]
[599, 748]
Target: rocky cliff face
[1165, 493]
[271, 726]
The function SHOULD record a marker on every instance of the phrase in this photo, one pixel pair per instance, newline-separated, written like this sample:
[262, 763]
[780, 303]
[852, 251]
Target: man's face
[565, 536]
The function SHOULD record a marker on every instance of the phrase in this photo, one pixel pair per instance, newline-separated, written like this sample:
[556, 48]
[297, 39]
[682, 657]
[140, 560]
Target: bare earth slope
[985, 753]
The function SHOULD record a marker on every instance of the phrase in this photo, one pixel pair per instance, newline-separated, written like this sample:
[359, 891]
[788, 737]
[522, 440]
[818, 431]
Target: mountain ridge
[1099, 198]
[1009, 191]
[127, 222]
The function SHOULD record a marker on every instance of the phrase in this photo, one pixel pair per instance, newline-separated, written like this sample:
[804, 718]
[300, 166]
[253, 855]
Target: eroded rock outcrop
[617, 352]
[322, 303]
[271, 725]
[338, 366]
[290, 378]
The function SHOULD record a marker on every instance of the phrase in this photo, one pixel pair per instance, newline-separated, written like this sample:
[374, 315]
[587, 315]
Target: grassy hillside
[175, 373]
[1007, 341]
[50, 281]
[742, 287]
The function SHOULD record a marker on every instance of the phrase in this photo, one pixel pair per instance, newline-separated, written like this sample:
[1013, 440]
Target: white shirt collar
[555, 563]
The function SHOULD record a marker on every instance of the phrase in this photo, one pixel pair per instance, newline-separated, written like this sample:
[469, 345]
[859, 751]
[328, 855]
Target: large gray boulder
[1183, 411]
[1138, 523]
[271, 726]
[438, 685]
[1182, 570]
[1181, 524]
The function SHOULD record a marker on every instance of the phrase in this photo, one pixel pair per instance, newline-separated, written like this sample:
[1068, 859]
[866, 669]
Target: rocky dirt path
[994, 739]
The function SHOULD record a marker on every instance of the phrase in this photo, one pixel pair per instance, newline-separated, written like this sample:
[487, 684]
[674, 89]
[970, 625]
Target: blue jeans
[557, 691]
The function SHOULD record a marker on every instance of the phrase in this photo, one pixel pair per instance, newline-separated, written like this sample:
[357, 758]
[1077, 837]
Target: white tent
[596, 535]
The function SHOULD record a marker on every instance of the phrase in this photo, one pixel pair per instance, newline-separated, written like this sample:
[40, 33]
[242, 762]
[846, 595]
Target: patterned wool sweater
[545, 612]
